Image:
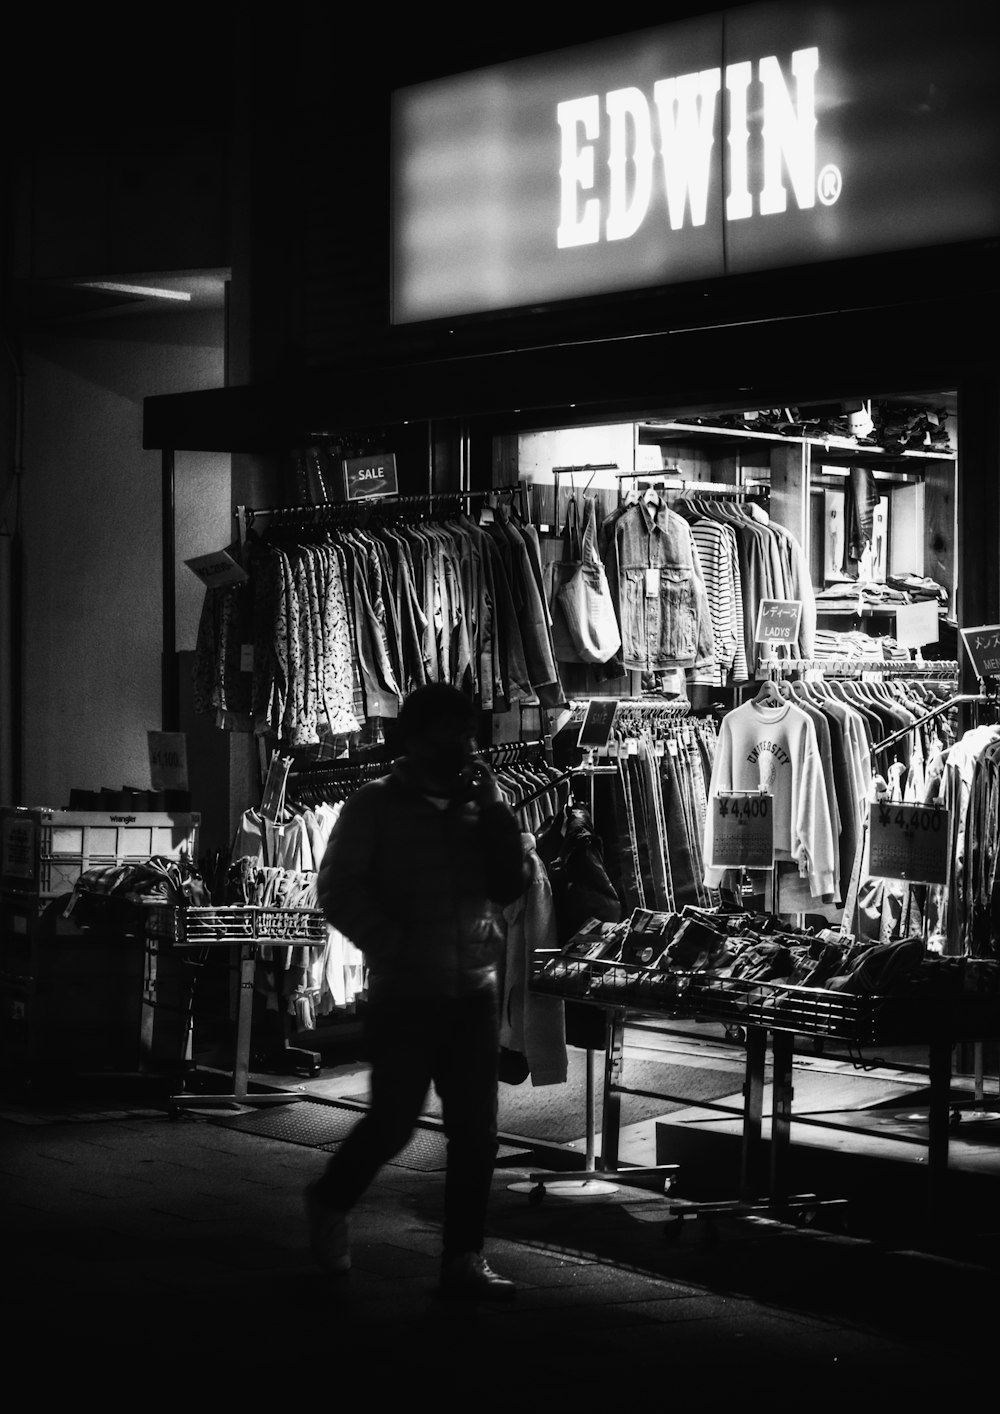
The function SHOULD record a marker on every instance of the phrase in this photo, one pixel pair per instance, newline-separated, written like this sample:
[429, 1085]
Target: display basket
[233, 925]
[776, 1006]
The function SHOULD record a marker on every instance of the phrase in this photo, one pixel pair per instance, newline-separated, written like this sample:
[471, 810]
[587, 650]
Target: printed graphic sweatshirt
[775, 749]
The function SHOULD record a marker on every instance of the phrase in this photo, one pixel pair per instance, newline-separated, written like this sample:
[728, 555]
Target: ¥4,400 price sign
[743, 831]
[168, 767]
[909, 842]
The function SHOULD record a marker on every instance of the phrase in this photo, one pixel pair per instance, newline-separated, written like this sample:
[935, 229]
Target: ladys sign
[769, 135]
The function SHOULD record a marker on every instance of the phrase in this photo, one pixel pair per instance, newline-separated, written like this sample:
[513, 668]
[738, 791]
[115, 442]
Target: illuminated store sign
[772, 135]
[684, 123]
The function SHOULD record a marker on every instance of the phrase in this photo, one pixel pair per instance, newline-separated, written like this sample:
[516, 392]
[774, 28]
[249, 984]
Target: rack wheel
[536, 1195]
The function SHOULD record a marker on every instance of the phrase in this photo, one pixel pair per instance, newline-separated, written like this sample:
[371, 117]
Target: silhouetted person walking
[417, 870]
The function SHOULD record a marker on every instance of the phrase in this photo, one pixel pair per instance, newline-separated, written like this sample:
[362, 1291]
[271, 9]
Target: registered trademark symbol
[829, 184]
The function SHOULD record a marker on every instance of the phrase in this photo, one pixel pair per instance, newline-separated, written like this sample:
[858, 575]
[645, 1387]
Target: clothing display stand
[603, 1176]
[716, 490]
[939, 669]
[331, 512]
[586, 468]
[784, 1012]
[247, 928]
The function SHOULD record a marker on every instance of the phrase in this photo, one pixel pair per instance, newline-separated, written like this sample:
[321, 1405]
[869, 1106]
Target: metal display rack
[247, 927]
[785, 1011]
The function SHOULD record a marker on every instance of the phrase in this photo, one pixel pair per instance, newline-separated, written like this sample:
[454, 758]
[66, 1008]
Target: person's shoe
[328, 1235]
[470, 1277]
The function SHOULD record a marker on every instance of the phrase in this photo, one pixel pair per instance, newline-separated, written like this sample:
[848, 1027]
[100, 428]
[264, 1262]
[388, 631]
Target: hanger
[769, 694]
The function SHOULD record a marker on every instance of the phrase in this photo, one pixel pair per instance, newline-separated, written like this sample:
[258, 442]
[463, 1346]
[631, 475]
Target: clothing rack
[714, 490]
[333, 512]
[313, 775]
[854, 667]
[507, 753]
[559, 471]
[554, 784]
[592, 467]
[513, 753]
[642, 712]
[960, 700]
[310, 778]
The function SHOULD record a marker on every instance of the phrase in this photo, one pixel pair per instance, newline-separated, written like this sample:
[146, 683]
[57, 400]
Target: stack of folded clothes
[858, 594]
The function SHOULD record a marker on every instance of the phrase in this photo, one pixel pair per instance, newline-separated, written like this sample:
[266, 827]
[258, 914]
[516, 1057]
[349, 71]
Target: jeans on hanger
[612, 826]
[644, 824]
[676, 810]
[661, 882]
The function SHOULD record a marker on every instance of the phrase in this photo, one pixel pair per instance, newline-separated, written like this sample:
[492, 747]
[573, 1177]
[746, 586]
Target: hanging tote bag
[585, 599]
[556, 574]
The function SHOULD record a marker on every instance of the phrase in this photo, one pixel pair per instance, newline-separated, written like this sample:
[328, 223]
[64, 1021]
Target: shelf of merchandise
[831, 445]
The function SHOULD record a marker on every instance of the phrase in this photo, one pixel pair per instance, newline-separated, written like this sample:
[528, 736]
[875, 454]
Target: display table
[780, 1012]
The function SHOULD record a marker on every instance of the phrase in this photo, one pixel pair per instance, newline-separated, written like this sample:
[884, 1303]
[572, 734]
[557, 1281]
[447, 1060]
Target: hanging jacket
[659, 591]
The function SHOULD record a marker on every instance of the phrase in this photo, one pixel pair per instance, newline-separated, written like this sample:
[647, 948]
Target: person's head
[436, 730]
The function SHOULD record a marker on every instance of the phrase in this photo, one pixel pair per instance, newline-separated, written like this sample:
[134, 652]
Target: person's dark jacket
[420, 889]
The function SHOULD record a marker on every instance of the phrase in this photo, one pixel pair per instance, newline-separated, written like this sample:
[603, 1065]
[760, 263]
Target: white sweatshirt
[774, 748]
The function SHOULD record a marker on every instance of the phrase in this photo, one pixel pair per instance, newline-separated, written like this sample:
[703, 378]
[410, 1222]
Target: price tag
[595, 732]
[217, 569]
[778, 621]
[168, 769]
[648, 457]
[743, 831]
[917, 624]
[983, 647]
[909, 842]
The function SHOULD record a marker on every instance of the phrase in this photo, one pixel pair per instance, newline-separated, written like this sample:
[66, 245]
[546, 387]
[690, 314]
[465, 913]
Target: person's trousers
[453, 1043]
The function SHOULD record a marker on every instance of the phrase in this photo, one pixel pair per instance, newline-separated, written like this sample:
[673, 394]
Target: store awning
[776, 344]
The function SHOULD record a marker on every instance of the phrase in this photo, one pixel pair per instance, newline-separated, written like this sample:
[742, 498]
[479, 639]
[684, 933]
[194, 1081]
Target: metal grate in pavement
[299, 1122]
[427, 1151]
[324, 1126]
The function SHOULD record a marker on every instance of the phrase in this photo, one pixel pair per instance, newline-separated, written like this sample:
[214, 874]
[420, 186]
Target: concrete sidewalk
[148, 1257]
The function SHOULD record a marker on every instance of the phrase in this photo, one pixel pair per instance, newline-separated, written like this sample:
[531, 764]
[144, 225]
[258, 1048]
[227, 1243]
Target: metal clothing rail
[710, 490]
[511, 753]
[638, 706]
[847, 667]
[644, 714]
[354, 770]
[554, 784]
[957, 701]
[329, 512]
